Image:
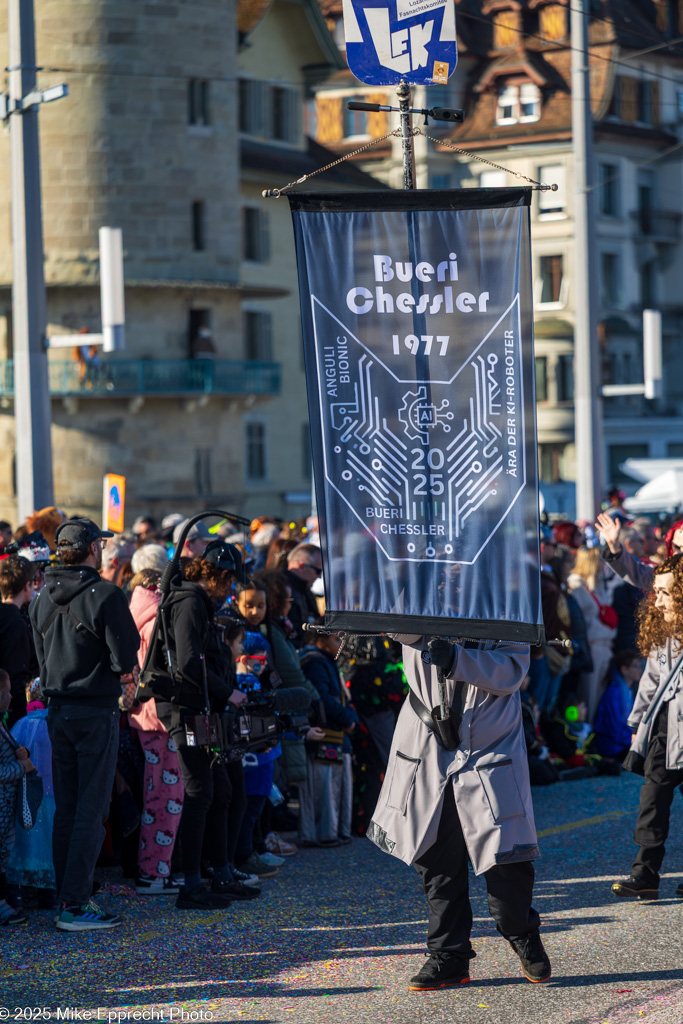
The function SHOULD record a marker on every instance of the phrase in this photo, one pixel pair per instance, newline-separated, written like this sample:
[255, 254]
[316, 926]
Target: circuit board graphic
[430, 464]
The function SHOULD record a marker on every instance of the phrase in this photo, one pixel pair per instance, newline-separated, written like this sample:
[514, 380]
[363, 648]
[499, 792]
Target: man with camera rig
[457, 789]
[189, 672]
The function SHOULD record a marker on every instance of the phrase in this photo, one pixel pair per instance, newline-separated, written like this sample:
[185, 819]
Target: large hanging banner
[418, 342]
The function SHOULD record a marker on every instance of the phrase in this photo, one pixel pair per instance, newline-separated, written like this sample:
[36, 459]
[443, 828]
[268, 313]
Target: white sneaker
[244, 877]
[270, 858]
[148, 885]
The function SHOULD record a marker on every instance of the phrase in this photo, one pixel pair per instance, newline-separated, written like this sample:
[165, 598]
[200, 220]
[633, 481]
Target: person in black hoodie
[85, 640]
[201, 664]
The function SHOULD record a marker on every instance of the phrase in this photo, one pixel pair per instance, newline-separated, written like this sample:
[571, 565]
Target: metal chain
[277, 192]
[483, 160]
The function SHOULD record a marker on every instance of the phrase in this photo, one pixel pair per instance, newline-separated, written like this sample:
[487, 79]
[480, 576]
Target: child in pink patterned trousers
[163, 783]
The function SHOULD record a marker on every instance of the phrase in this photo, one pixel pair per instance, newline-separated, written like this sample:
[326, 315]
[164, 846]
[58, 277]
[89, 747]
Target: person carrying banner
[657, 720]
[457, 789]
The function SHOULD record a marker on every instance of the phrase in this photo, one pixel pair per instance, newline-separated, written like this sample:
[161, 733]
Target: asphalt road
[337, 933]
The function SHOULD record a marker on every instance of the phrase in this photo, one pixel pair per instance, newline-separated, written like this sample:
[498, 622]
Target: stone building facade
[514, 81]
[150, 140]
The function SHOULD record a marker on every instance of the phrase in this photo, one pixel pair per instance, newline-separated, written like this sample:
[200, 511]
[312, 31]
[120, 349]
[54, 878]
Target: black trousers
[84, 747]
[656, 797]
[444, 872]
[206, 800]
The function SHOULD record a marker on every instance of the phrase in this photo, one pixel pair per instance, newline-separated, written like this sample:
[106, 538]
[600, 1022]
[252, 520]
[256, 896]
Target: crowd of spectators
[261, 587]
[579, 693]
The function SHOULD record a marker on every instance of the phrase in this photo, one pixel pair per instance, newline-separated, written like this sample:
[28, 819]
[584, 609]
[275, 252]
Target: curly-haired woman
[660, 638]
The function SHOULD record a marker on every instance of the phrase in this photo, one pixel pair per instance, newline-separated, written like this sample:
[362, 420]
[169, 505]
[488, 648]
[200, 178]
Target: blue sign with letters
[389, 41]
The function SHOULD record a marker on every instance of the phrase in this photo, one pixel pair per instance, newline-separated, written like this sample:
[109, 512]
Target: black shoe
[200, 898]
[679, 890]
[635, 889]
[441, 970]
[235, 890]
[534, 959]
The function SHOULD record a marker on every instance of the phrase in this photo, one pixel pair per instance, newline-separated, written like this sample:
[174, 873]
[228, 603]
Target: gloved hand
[441, 653]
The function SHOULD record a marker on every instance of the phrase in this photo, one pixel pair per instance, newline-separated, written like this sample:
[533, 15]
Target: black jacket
[304, 609]
[192, 633]
[321, 670]
[17, 655]
[85, 648]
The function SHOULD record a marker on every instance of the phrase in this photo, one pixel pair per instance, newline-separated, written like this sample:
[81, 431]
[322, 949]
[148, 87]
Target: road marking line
[585, 822]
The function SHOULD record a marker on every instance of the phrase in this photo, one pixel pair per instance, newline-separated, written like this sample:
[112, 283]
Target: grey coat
[638, 574]
[489, 770]
[659, 665]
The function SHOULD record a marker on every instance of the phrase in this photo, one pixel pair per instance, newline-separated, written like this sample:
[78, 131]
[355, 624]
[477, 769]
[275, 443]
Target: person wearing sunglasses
[304, 566]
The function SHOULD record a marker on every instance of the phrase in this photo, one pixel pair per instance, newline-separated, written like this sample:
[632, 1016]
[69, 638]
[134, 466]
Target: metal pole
[587, 410]
[403, 93]
[32, 411]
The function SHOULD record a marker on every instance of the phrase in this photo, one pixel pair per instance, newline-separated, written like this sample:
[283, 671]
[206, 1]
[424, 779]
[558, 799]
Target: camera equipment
[253, 726]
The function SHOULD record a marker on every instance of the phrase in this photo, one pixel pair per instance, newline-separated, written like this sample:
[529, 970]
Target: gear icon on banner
[419, 416]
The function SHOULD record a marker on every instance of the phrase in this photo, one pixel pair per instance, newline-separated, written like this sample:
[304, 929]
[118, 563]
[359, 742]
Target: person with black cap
[85, 641]
[201, 666]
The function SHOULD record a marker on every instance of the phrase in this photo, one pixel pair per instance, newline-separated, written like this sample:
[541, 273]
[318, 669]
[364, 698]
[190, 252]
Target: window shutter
[654, 101]
[628, 92]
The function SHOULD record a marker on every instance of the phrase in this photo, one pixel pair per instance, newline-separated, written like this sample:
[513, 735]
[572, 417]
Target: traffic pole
[587, 408]
[32, 411]
[403, 93]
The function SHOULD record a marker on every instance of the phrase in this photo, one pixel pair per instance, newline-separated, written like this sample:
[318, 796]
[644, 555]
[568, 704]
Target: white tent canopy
[664, 493]
[649, 469]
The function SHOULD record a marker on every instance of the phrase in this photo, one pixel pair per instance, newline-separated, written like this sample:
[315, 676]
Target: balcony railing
[127, 377]
[659, 225]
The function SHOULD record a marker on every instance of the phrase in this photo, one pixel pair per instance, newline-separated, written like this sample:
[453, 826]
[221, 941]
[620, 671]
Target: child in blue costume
[611, 726]
[258, 768]
[30, 862]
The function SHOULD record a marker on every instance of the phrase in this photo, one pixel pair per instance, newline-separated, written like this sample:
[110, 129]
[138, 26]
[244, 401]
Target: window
[506, 29]
[258, 336]
[610, 280]
[198, 239]
[551, 204]
[645, 112]
[609, 190]
[541, 379]
[355, 122]
[518, 103]
[674, 450]
[284, 110]
[306, 456]
[256, 455]
[507, 105]
[553, 22]
[618, 453]
[198, 330]
[614, 108]
[529, 102]
[198, 101]
[252, 107]
[648, 298]
[551, 278]
[202, 470]
[565, 378]
[255, 235]
[646, 192]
